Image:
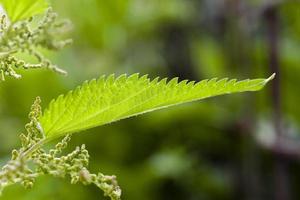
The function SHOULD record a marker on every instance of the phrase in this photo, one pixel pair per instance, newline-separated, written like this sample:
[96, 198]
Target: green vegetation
[223, 148]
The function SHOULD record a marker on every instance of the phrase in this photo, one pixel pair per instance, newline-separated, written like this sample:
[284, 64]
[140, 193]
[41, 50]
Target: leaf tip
[271, 77]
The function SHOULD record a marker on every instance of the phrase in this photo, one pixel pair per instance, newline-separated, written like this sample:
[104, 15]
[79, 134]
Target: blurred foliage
[211, 150]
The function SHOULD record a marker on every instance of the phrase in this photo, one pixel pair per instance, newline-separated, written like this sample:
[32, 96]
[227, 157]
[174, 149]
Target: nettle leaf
[23, 9]
[110, 99]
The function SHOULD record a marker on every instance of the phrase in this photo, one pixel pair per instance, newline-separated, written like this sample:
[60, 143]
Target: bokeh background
[244, 146]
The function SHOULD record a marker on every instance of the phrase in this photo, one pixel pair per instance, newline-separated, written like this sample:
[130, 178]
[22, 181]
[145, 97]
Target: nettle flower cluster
[32, 161]
[24, 37]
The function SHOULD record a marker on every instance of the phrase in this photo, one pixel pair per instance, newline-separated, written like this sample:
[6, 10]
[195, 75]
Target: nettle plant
[19, 34]
[94, 103]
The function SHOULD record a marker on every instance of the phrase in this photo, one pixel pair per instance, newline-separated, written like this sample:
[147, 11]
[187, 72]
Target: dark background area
[244, 146]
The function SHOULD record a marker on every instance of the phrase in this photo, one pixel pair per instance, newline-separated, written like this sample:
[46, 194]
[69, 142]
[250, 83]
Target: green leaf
[23, 9]
[110, 99]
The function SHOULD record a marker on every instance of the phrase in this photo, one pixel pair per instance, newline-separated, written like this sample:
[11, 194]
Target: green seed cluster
[73, 165]
[17, 169]
[33, 128]
[20, 37]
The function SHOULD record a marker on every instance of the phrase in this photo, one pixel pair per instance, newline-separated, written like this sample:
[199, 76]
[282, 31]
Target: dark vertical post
[280, 169]
[177, 52]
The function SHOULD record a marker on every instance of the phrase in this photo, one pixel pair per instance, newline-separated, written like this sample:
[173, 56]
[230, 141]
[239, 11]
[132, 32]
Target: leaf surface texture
[110, 99]
[23, 9]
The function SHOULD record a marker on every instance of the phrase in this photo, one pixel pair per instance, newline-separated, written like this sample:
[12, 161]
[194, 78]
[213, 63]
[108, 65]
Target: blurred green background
[233, 147]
